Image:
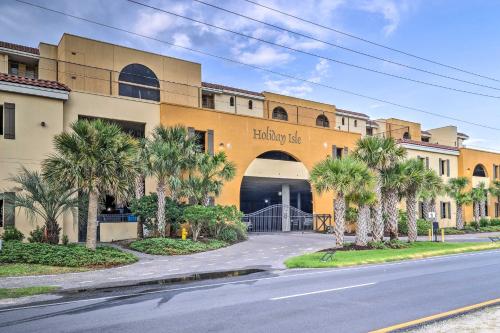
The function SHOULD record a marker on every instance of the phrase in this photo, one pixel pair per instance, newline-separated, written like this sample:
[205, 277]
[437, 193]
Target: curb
[438, 317]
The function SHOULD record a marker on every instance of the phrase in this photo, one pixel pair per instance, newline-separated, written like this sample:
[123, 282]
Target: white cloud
[182, 39]
[391, 10]
[264, 55]
[153, 23]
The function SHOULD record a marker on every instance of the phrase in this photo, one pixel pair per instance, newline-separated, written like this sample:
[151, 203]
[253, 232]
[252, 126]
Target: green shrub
[174, 246]
[403, 223]
[396, 244]
[228, 235]
[495, 222]
[474, 225]
[12, 234]
[198, 218]
[423, 227]
[453, 231]
[484, 222]
[490, 229]
[37, 235]
[377, 245]
[73, 255]
[65, 240]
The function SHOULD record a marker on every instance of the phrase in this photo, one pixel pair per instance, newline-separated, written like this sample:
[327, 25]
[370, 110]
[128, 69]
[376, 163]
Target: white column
[299, 201]
[285, 200]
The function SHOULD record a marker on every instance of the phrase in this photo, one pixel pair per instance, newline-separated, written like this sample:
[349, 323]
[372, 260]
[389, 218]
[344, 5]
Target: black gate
[270, 219]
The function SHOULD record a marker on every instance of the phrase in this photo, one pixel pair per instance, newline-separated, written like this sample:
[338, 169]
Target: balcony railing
[106, 218]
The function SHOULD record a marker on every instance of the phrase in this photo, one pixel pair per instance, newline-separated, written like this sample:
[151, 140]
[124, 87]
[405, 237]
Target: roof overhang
[231, 92]
[351, 115]
[438, 150]
[33, 90]
[19, 53]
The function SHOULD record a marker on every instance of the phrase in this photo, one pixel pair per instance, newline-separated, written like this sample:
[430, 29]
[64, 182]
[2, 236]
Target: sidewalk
[262, 251]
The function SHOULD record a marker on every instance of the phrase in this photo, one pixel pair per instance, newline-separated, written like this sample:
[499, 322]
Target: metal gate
[270, 219]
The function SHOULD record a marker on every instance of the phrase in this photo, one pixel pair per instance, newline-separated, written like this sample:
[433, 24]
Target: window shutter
[448, 168]
[210, 137]
[441, 209]
[9, 113]
[440, 167]
[9, 209]
[495, 171]
[191, 132]
[334, 151]
[346, 151]
[427, 162]
[449, 210]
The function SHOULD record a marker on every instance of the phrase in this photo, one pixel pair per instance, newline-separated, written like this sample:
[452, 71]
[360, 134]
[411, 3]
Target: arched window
[322, 121]
[231, 101]
[406, 135]
[479, 171]
[355, 123]
[277, 155]
[280, 113]
[250, 104]
[138, 81]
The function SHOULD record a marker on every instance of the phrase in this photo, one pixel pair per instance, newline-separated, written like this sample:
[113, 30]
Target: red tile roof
[33, 82]
[222, 87]
[20, 48]
[427, 144]
[358, 114]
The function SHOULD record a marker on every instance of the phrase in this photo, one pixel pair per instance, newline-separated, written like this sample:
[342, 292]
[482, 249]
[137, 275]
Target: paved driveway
[266, 251]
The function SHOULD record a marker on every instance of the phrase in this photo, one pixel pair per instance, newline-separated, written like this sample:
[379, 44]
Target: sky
[459, 33]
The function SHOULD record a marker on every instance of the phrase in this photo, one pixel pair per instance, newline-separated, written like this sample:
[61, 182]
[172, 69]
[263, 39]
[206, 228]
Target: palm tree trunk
[392, 213]
[160, 213]
[92, 220]
[460, 219]
[411, 210]
[52, 228]
[378, 225]
[482, 207]
[339, 206]
[362, 225]
[476, 211]
[139, 193]
[426, 208]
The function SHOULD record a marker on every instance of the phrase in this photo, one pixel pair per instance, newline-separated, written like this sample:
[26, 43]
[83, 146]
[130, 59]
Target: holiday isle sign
[269, 134]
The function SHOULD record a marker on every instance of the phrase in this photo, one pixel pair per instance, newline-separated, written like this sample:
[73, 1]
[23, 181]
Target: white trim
[345, 114]
[33, 90]
[430, 149]
[232, 93]
[20, 53]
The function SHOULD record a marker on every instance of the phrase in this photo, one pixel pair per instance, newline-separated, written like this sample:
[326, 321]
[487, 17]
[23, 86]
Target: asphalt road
[356, 299]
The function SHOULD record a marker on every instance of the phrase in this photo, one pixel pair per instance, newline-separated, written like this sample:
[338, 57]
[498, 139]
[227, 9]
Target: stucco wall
[351, 124]
[94, 66]
[467, 161]
[110, 232]
[444, 136]
[32, 142]
[235, 134]
[222, 103]
[434, 165]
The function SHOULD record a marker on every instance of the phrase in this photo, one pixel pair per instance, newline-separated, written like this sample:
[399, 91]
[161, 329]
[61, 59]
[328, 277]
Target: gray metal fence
[270, 219]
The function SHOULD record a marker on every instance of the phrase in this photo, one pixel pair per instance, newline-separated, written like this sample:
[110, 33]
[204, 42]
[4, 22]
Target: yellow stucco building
[273, 139]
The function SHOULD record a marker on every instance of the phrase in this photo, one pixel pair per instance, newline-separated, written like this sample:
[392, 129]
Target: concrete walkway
[264, 251]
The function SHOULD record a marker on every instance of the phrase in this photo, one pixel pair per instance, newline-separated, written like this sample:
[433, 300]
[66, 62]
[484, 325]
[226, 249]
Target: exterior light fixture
[279, 193]
[325, 145]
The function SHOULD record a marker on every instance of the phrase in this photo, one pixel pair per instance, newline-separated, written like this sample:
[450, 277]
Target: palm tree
[139, 180]
[364, 199]
[393, 182]
[495, 189]
[341, 176]
[96, 158]
[414, 173]
[456, 190]
[379, 154]
[433, 186]
[211, 172]
[44, 199]
[170, 153]
[479, 196]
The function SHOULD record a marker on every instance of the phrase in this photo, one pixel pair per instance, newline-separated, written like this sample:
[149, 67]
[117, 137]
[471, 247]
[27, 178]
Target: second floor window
[322, 121]
[280, 113]
[250, 104]
[208, 101]
[231, 101]
[138, 81]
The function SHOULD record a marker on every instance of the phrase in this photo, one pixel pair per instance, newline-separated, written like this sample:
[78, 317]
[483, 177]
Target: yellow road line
[437, 316]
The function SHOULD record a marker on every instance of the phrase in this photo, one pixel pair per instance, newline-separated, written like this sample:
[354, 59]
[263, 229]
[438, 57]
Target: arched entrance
[275, 194]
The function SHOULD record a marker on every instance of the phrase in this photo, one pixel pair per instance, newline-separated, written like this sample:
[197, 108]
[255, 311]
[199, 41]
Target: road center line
[322, 291]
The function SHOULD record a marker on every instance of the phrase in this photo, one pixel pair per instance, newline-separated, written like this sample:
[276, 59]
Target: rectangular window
[497, 209]
[355, 123]
[425, 139]
[495, 171]
[445, 210]
[343, 121]
[201, 140]
[208, 101]
[369, 131]
[9, 123]
[442, 167]
[1, 119]
[340, 152]
[1, 212]
[13, 68]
